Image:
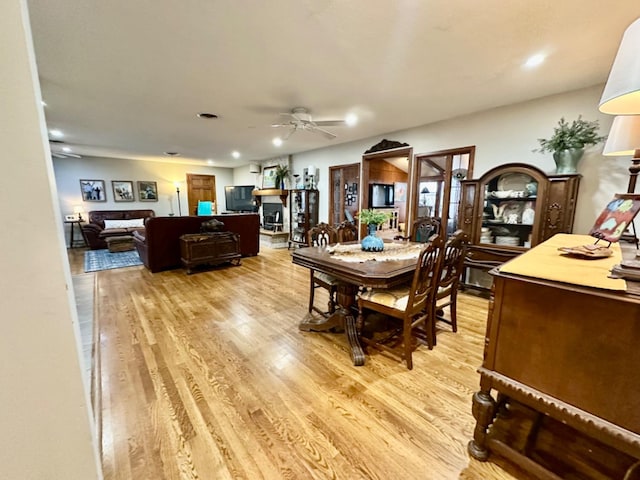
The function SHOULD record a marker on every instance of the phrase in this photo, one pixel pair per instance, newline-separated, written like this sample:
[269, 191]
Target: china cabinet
[303, 215]
[512, 208]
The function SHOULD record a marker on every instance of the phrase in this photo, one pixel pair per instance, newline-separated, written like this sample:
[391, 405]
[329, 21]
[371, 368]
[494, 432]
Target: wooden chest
[209, 249]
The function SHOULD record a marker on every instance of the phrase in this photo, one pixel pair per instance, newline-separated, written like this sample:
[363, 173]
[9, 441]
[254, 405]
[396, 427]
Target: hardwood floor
[207, 376]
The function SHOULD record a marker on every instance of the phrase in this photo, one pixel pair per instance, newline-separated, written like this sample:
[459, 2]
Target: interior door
[201, 187]
[437, 184]
[345, 183]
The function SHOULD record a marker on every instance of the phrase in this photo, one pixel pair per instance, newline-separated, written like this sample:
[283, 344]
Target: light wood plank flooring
[208, 377]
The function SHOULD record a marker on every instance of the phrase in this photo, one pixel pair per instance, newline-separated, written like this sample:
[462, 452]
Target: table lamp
[624, 139]
[621, 95]
[77, 209]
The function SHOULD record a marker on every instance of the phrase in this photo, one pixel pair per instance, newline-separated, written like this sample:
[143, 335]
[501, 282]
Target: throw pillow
[133, 223]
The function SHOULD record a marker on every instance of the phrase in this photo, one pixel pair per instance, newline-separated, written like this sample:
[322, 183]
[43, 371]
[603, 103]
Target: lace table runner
[392, 251]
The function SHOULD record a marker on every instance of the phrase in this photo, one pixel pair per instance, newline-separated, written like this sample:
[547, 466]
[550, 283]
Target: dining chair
[412, 303]
[422, 229]
[451, 268]
[347, 232]
[320, 236]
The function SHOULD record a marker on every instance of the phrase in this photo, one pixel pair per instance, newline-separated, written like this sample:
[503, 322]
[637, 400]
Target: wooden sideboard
[209, 249]
[571, 355]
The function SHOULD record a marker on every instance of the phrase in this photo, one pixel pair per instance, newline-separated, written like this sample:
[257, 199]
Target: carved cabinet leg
[484, 409]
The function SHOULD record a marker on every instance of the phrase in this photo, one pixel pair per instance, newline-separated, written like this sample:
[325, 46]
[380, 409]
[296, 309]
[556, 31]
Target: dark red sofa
[159, 246]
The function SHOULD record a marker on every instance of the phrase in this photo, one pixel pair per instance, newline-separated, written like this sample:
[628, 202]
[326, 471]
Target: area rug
[95, 260]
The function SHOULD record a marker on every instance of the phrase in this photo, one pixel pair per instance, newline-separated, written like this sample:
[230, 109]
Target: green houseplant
[282, 173]
[372, 218]
[568, 142]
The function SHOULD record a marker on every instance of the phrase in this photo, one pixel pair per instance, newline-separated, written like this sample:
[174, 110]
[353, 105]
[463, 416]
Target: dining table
[355, 269]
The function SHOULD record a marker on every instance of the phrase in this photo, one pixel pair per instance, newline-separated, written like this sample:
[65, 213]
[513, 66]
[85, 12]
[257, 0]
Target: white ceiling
[126, 78]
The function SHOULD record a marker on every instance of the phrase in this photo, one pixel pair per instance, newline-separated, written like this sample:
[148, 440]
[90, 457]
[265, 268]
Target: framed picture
[147, 191]
[400, 191]
[616, 217]
[93, 191]
[269, 177]
[354, 188]
[122, 190]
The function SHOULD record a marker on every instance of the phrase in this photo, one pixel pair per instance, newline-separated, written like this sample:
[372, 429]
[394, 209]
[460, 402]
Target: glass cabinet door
[509, 210]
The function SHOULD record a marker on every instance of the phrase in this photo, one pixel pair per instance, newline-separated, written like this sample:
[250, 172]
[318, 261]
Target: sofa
[110, 223]
[159, 244]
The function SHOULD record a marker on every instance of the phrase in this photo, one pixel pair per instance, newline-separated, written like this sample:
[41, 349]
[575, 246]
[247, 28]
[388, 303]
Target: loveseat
[159, 244]
[110, 223]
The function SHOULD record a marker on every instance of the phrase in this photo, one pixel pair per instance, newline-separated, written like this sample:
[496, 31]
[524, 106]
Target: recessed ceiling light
[56, 133]
[207, 115]
[44, 104]
[277, 141]
[209, 161]
[235, 154]
[535, 60]
[172, 154]
[351, 119]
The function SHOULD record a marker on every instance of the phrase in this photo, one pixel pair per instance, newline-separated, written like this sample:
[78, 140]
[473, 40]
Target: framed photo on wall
[269, 177]
[147, 191]
[93, 191]
[122, 190]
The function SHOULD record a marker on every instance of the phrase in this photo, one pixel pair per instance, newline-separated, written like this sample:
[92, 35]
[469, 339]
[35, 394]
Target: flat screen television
[380, 195]
[238, 198]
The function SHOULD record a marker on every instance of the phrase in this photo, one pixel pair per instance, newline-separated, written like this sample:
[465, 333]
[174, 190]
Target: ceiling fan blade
[58, 155]
[330, 123]
[276, 125]
[288, 134]
[327, 134]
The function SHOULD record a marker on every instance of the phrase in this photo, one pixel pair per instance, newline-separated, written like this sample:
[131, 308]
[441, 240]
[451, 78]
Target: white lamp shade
[624, 136]
[311, 170]
[77, 209]
[621, 94]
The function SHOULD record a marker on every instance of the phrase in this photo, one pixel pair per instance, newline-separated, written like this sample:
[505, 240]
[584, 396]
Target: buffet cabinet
[303, 215]
[512, 208]
[559, 389]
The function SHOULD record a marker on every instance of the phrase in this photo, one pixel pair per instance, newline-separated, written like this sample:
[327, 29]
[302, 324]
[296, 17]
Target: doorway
[388, 163]
[201, 187]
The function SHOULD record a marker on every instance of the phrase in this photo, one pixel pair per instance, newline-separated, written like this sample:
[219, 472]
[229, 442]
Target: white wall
[69, 171]
[44, 407]
[502, 135]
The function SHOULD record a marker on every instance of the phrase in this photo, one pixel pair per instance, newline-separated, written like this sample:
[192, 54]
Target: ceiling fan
[300, 119]
[60, 150]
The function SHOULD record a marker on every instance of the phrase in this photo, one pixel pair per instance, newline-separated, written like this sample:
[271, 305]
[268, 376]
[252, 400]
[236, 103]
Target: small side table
[73, 223]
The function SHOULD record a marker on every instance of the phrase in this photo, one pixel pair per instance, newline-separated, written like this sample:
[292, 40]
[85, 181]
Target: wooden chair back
[451, 267]
[322, 235]
[423, 228]
[347, 232]
[425, 281]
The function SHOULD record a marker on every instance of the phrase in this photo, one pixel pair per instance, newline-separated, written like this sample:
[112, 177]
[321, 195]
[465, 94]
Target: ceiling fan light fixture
[351, 119]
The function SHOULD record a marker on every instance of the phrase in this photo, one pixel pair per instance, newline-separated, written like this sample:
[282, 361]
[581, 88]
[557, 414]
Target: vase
[567, 160]
[372, 242]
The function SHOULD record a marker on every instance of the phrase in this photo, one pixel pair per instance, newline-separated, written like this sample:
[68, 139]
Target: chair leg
[432, 330]
[452, 309]
[332, 301]
[408, 344]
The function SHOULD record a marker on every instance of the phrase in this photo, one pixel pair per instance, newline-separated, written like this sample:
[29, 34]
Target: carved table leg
[484, 408]
[357, 354]
[312, 324]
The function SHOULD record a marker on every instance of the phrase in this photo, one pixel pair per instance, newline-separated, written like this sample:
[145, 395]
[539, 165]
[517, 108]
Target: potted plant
[282, 173]
[569, 141]
[372, 218]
